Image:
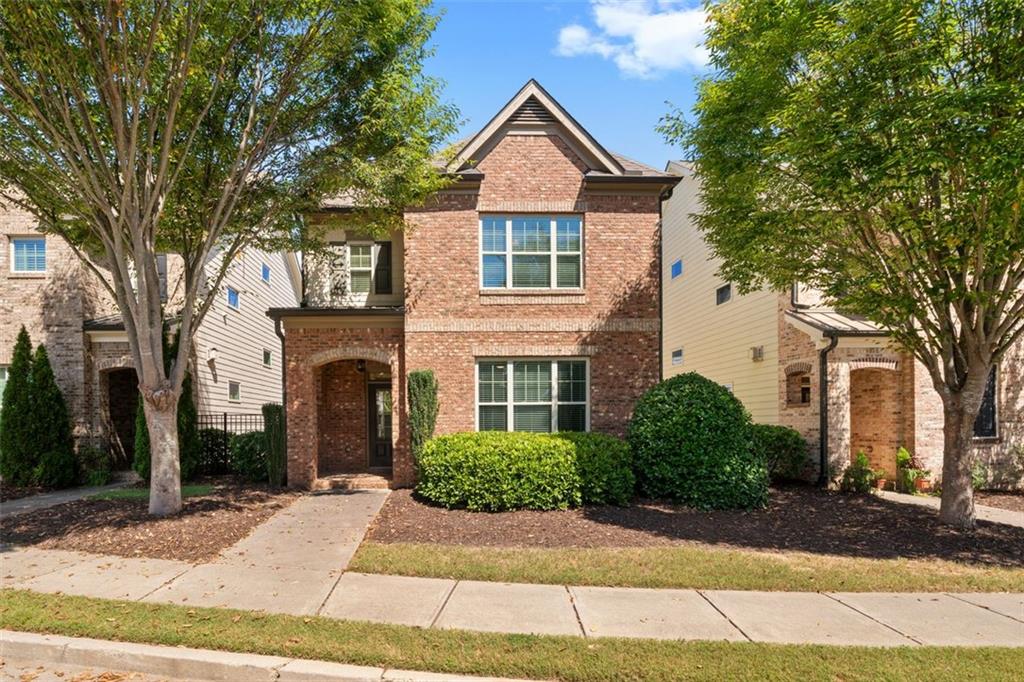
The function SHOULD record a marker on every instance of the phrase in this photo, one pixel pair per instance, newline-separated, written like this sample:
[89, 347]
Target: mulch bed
[206, 524]
[797, 519]
[1013, 501]
[13, 492]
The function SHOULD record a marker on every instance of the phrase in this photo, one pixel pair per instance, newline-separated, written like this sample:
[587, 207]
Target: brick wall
[342, 416]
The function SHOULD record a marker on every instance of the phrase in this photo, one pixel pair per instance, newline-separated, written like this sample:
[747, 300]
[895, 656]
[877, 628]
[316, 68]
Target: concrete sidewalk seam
[982, 606]
[320, 608]
[575, 609]
[166, 583]
[444, 603]
[722, 613]
[872, 618]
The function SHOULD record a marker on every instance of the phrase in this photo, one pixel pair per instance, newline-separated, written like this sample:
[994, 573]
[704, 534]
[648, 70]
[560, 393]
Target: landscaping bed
[1009, 500]
[13, 492]
[122, 526]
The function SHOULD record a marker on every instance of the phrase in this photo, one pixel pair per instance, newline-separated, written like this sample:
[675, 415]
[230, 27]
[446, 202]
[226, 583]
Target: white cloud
[644, 38]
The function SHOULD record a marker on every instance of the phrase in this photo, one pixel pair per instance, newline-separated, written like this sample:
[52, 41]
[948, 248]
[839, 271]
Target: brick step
[360, 481]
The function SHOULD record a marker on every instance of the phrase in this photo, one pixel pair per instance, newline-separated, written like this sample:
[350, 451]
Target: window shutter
[382, 272]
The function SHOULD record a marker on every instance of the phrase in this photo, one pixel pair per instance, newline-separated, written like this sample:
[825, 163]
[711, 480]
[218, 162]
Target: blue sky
[611, 63]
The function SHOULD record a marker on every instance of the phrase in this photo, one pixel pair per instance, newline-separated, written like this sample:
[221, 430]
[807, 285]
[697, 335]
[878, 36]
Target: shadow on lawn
[805, 519]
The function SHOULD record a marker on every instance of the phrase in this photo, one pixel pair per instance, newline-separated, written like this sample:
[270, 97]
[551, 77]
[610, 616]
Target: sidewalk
[295, 564]
[983, 513]
[44, 500]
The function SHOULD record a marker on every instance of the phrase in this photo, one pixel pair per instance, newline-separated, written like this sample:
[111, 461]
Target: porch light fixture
[360, 366]
[211, 356]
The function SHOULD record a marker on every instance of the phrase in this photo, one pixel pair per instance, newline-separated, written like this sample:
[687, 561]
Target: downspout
[284, 389]
[665, 196]
[823, 407]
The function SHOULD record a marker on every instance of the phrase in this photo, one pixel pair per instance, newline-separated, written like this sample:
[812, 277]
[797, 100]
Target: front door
[380, 426]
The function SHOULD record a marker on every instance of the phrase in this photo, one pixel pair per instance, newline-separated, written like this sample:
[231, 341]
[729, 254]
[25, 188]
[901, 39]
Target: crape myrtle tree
[874, 149]
[202, 127]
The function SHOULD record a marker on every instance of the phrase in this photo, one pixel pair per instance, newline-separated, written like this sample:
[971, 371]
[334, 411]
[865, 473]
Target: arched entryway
[354, 417]
[122, 399]
[876, 416]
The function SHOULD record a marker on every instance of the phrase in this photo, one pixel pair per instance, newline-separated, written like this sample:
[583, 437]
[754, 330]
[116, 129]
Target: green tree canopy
[874, 149]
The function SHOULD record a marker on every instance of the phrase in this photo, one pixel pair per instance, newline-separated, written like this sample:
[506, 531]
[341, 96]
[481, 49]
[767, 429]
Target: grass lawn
[143, 493]
[683, 567]
[564, 658]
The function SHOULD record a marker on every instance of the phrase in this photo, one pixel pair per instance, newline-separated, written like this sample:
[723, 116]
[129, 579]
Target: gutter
[823, 477]
[666, 194]
[284, 392]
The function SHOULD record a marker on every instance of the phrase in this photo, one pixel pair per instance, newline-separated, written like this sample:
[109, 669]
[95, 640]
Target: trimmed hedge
[277, 457]
[498, 471]
[249, 456]
[691, 443]
[783, 450]
[605, 467]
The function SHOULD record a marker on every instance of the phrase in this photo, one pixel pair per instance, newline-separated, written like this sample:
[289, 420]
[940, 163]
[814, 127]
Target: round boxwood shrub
[248, 454]
[605, 468]
[783, 450]
[498, 471]
[691, 443]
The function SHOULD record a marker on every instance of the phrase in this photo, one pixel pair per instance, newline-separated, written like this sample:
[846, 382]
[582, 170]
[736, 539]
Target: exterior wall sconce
[360, 366]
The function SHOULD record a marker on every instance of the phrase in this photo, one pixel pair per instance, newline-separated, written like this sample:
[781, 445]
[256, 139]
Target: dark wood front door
[380, 426]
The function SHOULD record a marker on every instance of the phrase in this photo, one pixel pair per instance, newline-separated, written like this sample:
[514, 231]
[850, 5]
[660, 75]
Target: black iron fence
[215, 431]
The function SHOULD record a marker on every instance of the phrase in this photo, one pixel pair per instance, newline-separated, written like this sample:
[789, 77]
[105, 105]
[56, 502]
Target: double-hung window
[28, 255]
[234, 298]
[369, 268]
[532, 395]
[531, 252]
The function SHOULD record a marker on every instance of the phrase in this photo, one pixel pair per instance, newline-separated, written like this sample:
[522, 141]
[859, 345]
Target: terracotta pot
[923, 485]
[880, 483]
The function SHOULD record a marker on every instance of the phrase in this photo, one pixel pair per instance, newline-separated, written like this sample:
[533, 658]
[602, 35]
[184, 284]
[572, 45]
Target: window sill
[26, 275]
[987, 440]
[798, 405]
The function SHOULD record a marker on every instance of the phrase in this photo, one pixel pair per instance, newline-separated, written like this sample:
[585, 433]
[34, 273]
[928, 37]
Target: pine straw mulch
[1010, 500]
[798, 518]
[206, 525]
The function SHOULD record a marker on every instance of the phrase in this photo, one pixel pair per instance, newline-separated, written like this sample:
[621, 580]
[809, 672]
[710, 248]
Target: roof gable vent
[532, 111]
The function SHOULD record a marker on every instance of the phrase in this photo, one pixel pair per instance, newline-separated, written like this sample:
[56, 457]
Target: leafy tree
[51, 433]
[198, 128]
[874, 150]
[18, 456]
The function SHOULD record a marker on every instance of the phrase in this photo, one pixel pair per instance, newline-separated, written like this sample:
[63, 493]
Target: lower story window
[234, 391]
[986, 424]
[545, 395]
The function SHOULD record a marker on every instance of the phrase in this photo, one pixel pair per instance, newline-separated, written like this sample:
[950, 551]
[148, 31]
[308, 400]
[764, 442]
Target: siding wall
[716, 339]
[241, 335]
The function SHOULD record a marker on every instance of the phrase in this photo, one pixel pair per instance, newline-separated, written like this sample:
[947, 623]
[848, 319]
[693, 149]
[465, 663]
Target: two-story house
[530, 286]
[775, 350]
[236, 360]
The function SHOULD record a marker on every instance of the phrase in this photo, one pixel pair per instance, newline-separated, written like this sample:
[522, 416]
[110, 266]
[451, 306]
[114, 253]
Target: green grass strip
[684, 567]
[453, 651]
[143, 493]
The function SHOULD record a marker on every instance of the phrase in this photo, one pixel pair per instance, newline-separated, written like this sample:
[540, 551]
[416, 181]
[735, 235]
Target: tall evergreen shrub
[18, 456]
[51, 427]
[423, 408]
[273, 428]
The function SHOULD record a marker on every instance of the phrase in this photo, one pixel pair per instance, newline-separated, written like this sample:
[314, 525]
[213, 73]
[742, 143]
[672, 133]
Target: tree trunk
[957, 507]
[164, 467]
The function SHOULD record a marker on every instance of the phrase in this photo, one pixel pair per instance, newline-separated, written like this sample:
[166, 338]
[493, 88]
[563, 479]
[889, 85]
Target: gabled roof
[532, 106]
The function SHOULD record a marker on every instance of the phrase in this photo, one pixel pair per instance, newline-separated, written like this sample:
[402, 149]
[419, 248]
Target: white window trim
[682, 270]
[509, 390]
[672, 357]
[239, 398]
[553, 253]
[362, 295]
[267, 352]
[265, 280]
[732, 294]
[227, 297]
[46, 252]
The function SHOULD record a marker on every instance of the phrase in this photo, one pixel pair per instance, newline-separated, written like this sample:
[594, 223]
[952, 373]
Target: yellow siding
[716, 339]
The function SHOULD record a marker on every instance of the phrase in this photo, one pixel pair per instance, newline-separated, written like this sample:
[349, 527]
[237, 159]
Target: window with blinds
[531, 252]
[532, 395]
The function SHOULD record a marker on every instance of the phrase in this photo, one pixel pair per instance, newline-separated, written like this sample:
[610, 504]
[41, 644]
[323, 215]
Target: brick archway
[352, 353]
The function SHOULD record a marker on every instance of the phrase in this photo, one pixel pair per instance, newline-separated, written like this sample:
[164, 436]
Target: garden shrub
[277, 457]
[908, 471]
[499, 471]
[94, 465]
[691, 443]
[18, 455]
[51, 428]
[214, 452]
[423, 408]
[859, 476]
[249, 456]
[604, 466]
[783, 450]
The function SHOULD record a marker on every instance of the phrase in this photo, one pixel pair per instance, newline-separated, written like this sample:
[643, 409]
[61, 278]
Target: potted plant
[922, 484]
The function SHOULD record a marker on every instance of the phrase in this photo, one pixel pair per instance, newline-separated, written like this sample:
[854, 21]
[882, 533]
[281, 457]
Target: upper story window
[265, 273]
[369, 268]
[268, 357]
[677, 269]
[28, 255]
[723, 294]
[234, 298]
[677, 356]
[986, 424]
[531, 252]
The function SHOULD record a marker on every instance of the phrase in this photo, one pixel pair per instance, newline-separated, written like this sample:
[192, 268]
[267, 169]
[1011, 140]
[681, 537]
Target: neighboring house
[530, 287]
[44, 287]
[768, 348]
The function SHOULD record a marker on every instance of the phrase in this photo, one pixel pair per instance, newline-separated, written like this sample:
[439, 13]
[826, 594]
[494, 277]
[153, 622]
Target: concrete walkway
[983, 513]
[44, 500]
[295, 562]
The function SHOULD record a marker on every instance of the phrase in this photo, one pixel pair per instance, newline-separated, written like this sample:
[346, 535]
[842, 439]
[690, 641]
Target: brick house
[770, 348]
[44, 287]
[530, 286]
